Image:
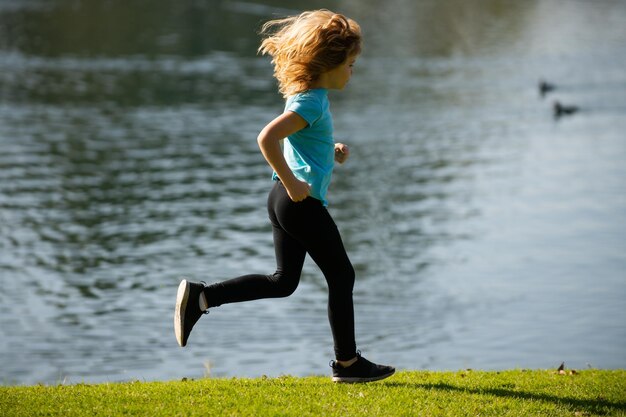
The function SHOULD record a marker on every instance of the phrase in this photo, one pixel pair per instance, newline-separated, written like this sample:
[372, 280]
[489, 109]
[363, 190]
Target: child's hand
[342, 152]
[298, 190]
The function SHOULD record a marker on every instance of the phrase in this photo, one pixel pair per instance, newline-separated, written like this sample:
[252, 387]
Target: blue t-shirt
[310, 152]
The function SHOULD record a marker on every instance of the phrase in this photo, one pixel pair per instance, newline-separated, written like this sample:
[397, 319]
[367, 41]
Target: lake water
[485, 233]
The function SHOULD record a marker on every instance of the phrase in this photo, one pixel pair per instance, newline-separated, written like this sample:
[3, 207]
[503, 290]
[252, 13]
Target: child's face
[338, 77]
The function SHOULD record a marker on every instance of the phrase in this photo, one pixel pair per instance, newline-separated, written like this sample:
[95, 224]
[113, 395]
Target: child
[311, 53]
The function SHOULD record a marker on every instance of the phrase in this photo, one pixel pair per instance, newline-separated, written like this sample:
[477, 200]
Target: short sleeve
[307, 107]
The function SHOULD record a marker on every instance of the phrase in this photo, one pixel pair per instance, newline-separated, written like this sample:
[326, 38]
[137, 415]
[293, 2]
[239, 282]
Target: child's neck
[322, 82]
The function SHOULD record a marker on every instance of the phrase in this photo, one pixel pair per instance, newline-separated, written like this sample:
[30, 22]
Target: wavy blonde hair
[305, 46]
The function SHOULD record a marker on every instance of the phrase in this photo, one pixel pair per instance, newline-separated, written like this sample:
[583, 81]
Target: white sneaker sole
[179, 313]
[354, 380]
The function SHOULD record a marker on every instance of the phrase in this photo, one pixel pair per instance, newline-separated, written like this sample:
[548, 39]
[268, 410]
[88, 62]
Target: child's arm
[269, 142]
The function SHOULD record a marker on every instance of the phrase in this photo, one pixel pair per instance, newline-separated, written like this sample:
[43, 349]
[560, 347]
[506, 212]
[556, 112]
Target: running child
[312, 53]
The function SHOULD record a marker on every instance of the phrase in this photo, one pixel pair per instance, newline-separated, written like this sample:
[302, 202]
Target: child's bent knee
[284, 285]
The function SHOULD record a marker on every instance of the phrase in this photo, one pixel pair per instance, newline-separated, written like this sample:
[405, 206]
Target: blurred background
[486, 232]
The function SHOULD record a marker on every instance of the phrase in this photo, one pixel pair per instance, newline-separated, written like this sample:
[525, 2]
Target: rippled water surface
[485, 232]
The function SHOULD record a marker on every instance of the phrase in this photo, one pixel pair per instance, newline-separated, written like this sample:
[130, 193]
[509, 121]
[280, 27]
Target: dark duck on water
[563, 110]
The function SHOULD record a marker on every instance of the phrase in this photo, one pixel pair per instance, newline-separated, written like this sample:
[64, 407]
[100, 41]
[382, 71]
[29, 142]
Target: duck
[545, 87]
[563, 110]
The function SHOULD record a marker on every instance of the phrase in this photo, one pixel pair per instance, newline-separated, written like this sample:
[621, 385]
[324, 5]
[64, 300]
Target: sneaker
[187, 310]
[360, 371]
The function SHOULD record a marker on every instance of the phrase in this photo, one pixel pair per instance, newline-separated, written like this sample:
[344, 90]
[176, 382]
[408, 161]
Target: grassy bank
[463, 393]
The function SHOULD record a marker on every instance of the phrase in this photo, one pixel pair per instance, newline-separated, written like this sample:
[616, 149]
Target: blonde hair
[305, 46]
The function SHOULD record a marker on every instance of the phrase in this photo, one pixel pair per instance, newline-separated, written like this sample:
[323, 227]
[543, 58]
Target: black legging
[300, 228]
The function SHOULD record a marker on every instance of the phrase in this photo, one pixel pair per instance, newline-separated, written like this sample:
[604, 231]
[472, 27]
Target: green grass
[423, 393]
